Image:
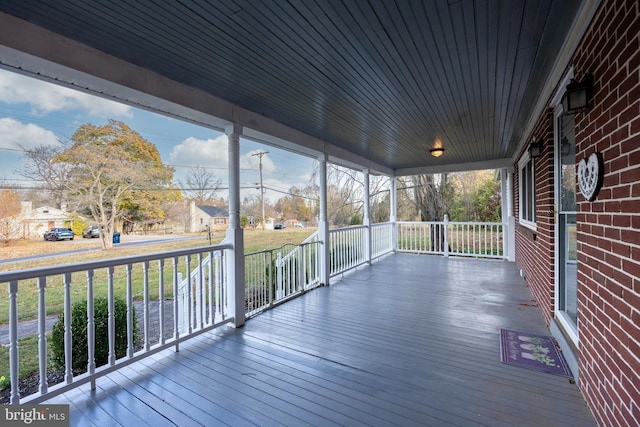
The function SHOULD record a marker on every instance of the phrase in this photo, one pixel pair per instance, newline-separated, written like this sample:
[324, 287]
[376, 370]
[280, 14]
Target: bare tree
[429, 196]
[201, 185]
[431, 200]
[178, 213]
[42, 168]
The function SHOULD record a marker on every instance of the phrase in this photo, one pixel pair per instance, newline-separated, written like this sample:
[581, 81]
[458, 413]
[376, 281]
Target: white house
[33, 222]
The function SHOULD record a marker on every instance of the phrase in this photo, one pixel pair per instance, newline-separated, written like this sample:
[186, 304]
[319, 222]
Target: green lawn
[255, 241]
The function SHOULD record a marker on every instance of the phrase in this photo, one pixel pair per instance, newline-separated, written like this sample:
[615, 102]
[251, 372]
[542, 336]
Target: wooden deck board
[413, 340]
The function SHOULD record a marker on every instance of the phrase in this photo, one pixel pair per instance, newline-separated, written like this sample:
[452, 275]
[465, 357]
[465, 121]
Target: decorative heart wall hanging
[590, 176]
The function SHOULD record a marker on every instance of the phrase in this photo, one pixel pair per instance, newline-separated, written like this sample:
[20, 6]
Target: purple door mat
[538, 352]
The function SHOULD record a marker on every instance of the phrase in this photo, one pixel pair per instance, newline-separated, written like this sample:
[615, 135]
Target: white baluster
[42, 333]
[91, 329]
[14, 361]
[111, 322]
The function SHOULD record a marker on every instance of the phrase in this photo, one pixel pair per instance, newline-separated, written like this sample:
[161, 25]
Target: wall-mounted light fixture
[577, 95]
[565, 146]
[535, 148]
[437, 152]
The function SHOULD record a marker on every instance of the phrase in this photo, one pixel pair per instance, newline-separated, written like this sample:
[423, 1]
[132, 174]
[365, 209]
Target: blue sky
[33, 113]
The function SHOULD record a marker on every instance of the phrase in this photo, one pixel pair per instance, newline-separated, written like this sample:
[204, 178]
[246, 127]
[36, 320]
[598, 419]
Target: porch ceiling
[382, 80]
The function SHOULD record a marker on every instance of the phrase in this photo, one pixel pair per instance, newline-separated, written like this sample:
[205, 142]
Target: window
[527, 192]
[220, 221]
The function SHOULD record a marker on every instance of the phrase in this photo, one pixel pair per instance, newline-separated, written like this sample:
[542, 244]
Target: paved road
[125, 240]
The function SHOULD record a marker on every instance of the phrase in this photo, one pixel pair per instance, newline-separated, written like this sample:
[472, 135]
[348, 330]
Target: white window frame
[523, 164]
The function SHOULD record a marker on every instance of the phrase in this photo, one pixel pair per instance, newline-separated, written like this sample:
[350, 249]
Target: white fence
[473, 239]
[58, 289]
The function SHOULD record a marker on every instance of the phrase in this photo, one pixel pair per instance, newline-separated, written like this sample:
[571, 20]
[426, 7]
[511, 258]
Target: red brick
[634, 59]
[630, 206]
[631, 330]
[612, 259]
[621, 249]
[630, 236]
[629, 50]
[616, 109]
[620, 135]
[623, 308]
[611, 232]
[634, 158]
[635, 124]
[628, 115]
[631, 267]
[631, 175]
[630, 145]
[618, 163]
[621, 192]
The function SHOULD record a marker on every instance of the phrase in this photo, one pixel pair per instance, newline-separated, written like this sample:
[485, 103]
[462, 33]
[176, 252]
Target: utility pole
[260, 154]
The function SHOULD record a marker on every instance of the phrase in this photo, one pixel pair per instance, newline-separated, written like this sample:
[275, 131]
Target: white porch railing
[194, 283]
[347, 249]
[381, 239]
[474, 239]
[129, 278]
[275, 275]
[194, 313]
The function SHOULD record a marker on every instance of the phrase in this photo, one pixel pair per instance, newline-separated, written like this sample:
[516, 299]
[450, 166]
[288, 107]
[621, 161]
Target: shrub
[80, 355]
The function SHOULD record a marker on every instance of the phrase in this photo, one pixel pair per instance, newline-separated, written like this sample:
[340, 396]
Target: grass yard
[255, 241]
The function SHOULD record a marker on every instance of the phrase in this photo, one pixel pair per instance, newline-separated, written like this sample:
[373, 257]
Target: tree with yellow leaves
[9, 210]
[116, 175]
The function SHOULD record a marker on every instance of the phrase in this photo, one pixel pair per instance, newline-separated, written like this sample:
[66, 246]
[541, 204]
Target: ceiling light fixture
[437, 152]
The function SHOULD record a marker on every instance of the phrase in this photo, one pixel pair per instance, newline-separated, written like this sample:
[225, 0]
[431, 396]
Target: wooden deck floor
[413, 340]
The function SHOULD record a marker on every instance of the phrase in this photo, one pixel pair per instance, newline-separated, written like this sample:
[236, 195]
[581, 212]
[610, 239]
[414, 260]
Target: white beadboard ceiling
[383, 80]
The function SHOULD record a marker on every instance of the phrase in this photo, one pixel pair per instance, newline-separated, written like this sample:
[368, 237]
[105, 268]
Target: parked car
[58, 233]
[279, 226]
[91, 232]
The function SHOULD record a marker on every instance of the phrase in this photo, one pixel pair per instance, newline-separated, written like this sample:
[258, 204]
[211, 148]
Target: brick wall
[609, 227]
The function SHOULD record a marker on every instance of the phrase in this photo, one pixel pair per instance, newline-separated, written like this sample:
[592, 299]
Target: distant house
[213, 217]
[33, 222]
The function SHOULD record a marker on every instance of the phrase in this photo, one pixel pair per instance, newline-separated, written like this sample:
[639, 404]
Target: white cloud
[16, 134]
[201, 152]
[214, 153]
[45, 98]
[251, 161]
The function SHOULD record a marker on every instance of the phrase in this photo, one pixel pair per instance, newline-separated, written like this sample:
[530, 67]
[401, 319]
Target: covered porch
[411, 340]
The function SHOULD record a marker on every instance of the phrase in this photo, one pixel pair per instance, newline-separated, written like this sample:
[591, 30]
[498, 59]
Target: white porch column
[366, 220]
[393, 213]
[235, 263]
[508, 220]
[323, 223]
